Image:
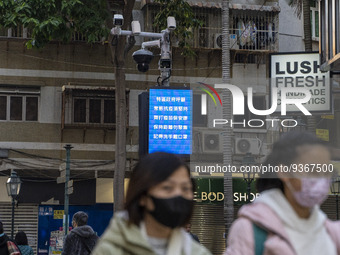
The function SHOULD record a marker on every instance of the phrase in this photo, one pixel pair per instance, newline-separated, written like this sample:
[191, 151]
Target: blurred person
[159, 202]
[21, 241]
[7, 246]
[188, 229]
[3, 241]
[82, 239]
[286, 219]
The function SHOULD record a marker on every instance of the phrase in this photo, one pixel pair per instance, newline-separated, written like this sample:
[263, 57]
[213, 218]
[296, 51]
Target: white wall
[250, 75]
[290, 29]
[133, 107]
[50, 105]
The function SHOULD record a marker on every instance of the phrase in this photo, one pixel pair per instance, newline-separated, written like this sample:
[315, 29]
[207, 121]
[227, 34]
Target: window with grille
[204, 36]
[254, 30]
[94, 107]
[89, 107]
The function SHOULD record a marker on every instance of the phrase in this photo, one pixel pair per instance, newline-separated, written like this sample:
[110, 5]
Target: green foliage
[185, 22]
[56, 19]
[297, 4]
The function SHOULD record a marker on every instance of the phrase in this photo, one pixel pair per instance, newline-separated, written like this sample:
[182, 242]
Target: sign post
[68, 148]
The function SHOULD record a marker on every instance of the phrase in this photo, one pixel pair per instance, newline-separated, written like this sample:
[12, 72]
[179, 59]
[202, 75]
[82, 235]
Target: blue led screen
[170, 120]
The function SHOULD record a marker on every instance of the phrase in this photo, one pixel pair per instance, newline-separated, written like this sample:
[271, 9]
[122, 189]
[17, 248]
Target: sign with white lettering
[301, 72]
[170, 120]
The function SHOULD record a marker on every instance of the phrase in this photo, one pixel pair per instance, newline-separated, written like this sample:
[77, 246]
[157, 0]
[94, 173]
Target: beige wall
[104, 190]
[3, 192]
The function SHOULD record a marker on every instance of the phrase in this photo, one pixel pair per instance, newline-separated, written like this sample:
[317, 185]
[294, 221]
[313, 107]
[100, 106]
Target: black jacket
[80, 241]
[3, 245]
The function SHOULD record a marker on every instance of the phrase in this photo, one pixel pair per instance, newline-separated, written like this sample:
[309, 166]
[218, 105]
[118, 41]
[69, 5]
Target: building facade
[65, 94]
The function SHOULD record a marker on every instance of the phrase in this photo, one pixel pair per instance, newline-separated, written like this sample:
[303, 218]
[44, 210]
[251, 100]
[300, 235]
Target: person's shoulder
[120, 236]
[107, 248]
[198, 249]
[195, 237]
[241, 229]
[333, 228]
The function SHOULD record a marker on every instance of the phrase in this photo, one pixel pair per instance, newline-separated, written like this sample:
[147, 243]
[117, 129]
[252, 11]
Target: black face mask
[172, 212]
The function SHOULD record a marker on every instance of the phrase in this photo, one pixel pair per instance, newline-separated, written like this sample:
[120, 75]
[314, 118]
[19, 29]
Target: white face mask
[314, 191]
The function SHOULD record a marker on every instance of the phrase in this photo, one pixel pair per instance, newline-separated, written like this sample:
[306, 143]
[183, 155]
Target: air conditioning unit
[211, 142]
[218, 41]
[247, 145]
[233, 42]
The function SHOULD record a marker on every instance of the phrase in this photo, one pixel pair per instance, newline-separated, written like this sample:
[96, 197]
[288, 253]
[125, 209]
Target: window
[314, 16]
[203, 37]
[259, 104]
[254, 30]
[199, 120]
[94, 110]
[19, 108]
[89, 107]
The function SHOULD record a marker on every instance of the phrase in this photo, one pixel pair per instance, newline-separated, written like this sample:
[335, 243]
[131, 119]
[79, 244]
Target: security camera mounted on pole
[143, 57]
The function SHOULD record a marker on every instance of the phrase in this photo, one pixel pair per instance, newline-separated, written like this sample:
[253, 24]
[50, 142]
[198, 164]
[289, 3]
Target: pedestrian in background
[21, 241]
[82, 239]
[7, 246]
[188, 229]
[3, 241]
[159, 203]
[286, 219]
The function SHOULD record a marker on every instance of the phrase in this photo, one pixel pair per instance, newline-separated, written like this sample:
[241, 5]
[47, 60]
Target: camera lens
[143, 67]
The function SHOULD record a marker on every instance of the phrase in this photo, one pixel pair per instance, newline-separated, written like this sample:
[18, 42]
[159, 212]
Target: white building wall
[290, 29]
[50, 105]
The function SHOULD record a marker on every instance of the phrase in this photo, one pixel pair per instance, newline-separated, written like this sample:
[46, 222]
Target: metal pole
[337, 206]
[12, 230]
[68, 148]
[165, 54]
[248, 188]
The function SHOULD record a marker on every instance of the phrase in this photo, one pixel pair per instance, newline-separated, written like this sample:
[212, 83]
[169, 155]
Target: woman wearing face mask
[286, 218]
[159, 202]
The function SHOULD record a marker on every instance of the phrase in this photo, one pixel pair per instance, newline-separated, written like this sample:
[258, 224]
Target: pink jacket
[241, 238]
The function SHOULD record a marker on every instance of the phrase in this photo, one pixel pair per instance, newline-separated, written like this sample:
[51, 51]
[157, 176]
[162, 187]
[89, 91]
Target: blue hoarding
[170, 120]
[50, 238]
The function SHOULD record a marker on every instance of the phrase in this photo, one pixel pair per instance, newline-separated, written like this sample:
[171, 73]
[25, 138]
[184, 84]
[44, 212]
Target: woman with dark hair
[286, 219]
[21, 241]
[159, 202]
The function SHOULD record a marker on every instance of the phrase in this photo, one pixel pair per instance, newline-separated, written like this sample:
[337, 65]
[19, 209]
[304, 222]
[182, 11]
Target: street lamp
[248, 176]
[13, 188]
[335, 189]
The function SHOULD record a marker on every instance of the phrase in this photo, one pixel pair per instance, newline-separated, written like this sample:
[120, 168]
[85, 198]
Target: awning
[201, 3]
[252, 7]
[218, 4]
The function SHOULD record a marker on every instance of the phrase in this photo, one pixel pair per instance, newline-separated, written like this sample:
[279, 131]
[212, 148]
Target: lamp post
[335, 189]
[248, 177]
[13, 188]
[68, 191]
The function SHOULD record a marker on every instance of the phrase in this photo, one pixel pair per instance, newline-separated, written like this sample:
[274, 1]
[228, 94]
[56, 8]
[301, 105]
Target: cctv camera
[143, 59]
[118, 20]
[135, 27]
[165, 64]
[171, 22]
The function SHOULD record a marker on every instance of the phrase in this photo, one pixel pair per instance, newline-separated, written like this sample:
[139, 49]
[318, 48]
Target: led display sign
[170, 120]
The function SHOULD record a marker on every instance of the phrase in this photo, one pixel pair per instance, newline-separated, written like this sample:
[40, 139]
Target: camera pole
[163, 43]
